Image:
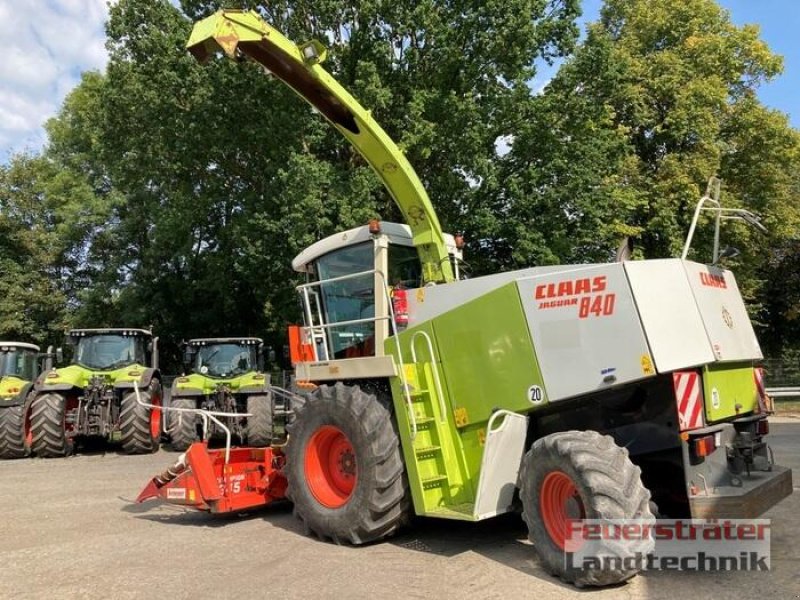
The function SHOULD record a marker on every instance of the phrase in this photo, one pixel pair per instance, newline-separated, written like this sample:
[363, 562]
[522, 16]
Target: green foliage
[175, 195]
[659, 97]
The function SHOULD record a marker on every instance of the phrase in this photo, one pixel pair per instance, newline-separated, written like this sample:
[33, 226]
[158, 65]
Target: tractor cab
[111, 349]
[19, 360]
[355, 294]
[224, 358]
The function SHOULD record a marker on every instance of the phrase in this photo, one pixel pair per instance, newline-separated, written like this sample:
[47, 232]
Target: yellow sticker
[647, 365]
[191, 495]
[462, 419]
[410, 371]
[482, 437]
[420, 295]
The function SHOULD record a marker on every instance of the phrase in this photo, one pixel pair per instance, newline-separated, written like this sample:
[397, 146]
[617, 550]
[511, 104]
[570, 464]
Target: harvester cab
[19, 368]
[93, 396]
[224, 375]
[585, 391]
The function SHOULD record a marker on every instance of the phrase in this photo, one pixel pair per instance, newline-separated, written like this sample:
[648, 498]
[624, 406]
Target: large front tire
[259, 423]
[183, 425]
[582, 475]
[344, 466]
[48, 427]
[140, 426]
[13, 442]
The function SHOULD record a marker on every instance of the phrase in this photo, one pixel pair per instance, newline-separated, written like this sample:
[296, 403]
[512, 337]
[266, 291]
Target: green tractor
[223, 375]
[93, 397]
[19, 367]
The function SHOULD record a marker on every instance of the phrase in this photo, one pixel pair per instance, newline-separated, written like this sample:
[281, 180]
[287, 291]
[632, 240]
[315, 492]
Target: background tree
[659, 97]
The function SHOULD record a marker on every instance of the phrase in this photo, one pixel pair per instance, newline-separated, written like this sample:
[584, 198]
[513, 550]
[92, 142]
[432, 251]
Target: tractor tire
[183, 426]
[48, 427]
[12, 433]
[583, 475]
[344, 466]
[140, 426]
[259, 423]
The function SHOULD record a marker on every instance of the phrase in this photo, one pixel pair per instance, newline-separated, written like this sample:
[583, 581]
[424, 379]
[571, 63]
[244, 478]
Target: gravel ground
[69, 530]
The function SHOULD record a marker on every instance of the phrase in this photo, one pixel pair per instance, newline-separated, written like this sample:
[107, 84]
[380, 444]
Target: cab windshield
[109, 351]
[225, 360]
[18, 363]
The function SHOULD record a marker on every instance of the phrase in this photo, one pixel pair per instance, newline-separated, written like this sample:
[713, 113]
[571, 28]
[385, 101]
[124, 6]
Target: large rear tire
[13, 442]
[48, 427]
[259, 423]
[582, 475]
[140, 426]
[344, 466]
[183, 425]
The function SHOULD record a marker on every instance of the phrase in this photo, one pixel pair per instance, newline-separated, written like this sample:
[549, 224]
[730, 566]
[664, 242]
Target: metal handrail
[206, 414]
[303, 288]
[438, 383]
[783, 392]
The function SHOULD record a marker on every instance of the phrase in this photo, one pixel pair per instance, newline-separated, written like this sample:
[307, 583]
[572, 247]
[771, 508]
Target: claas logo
[711, 280]
[571, 287]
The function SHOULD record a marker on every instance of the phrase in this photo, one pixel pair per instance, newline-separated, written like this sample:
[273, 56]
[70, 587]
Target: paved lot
[68, 530]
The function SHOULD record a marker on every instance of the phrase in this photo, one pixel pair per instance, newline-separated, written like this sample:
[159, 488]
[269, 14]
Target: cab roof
[22, 345]
[110, 331]
[225, 340]
[396, 232]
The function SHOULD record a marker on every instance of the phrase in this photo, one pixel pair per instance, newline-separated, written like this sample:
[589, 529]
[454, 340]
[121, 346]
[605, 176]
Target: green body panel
[490, 364]
[209, 385]
[732, 385]
[233, 31]
[79, 377]
[10, 388]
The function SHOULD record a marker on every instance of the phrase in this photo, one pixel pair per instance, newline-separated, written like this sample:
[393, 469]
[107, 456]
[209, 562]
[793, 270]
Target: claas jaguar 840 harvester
[595, 391]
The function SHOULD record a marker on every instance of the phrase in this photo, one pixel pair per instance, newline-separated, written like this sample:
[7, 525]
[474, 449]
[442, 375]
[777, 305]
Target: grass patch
[785, 407]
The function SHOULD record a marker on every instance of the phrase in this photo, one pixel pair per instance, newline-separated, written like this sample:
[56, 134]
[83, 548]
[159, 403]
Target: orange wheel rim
[155, 418]
[330, 466]
[559, 503]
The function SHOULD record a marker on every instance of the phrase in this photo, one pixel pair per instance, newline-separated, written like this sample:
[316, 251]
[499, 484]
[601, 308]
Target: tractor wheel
[259, 423]
[583, 475]
[48, 427]
[13, 438]
[344, 466]
[140, 426]
[183, 425]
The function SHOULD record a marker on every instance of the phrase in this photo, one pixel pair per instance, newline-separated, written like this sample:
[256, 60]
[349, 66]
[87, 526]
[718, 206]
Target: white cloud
[46, 45]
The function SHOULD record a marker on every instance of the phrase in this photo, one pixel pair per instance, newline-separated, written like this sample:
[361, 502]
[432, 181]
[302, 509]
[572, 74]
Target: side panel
[730, 391]
[585, 330]
[487, 356]
[669, 314]
[725, 317]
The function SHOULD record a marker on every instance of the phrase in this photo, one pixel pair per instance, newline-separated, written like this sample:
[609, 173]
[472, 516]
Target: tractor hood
[78, 376]
[195, 383]
[10, 387]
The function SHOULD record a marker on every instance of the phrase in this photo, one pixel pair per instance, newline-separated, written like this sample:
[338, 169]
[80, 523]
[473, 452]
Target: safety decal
[764, 401]
[462, 419]
[727, 318]
[176, 493]
[647, 365]
[535, 394]
[715, 398]
[689, 397]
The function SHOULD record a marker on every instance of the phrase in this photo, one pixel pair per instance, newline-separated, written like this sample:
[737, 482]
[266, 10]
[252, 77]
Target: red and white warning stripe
[689, 397]
[763, 400]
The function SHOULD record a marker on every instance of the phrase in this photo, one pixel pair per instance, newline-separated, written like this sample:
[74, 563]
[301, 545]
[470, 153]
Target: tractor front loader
[94, 396]
[224, 375]
[19, 368]
[587, 391]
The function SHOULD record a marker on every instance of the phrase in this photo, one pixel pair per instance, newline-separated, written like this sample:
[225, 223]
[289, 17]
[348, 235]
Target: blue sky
[48, 43]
